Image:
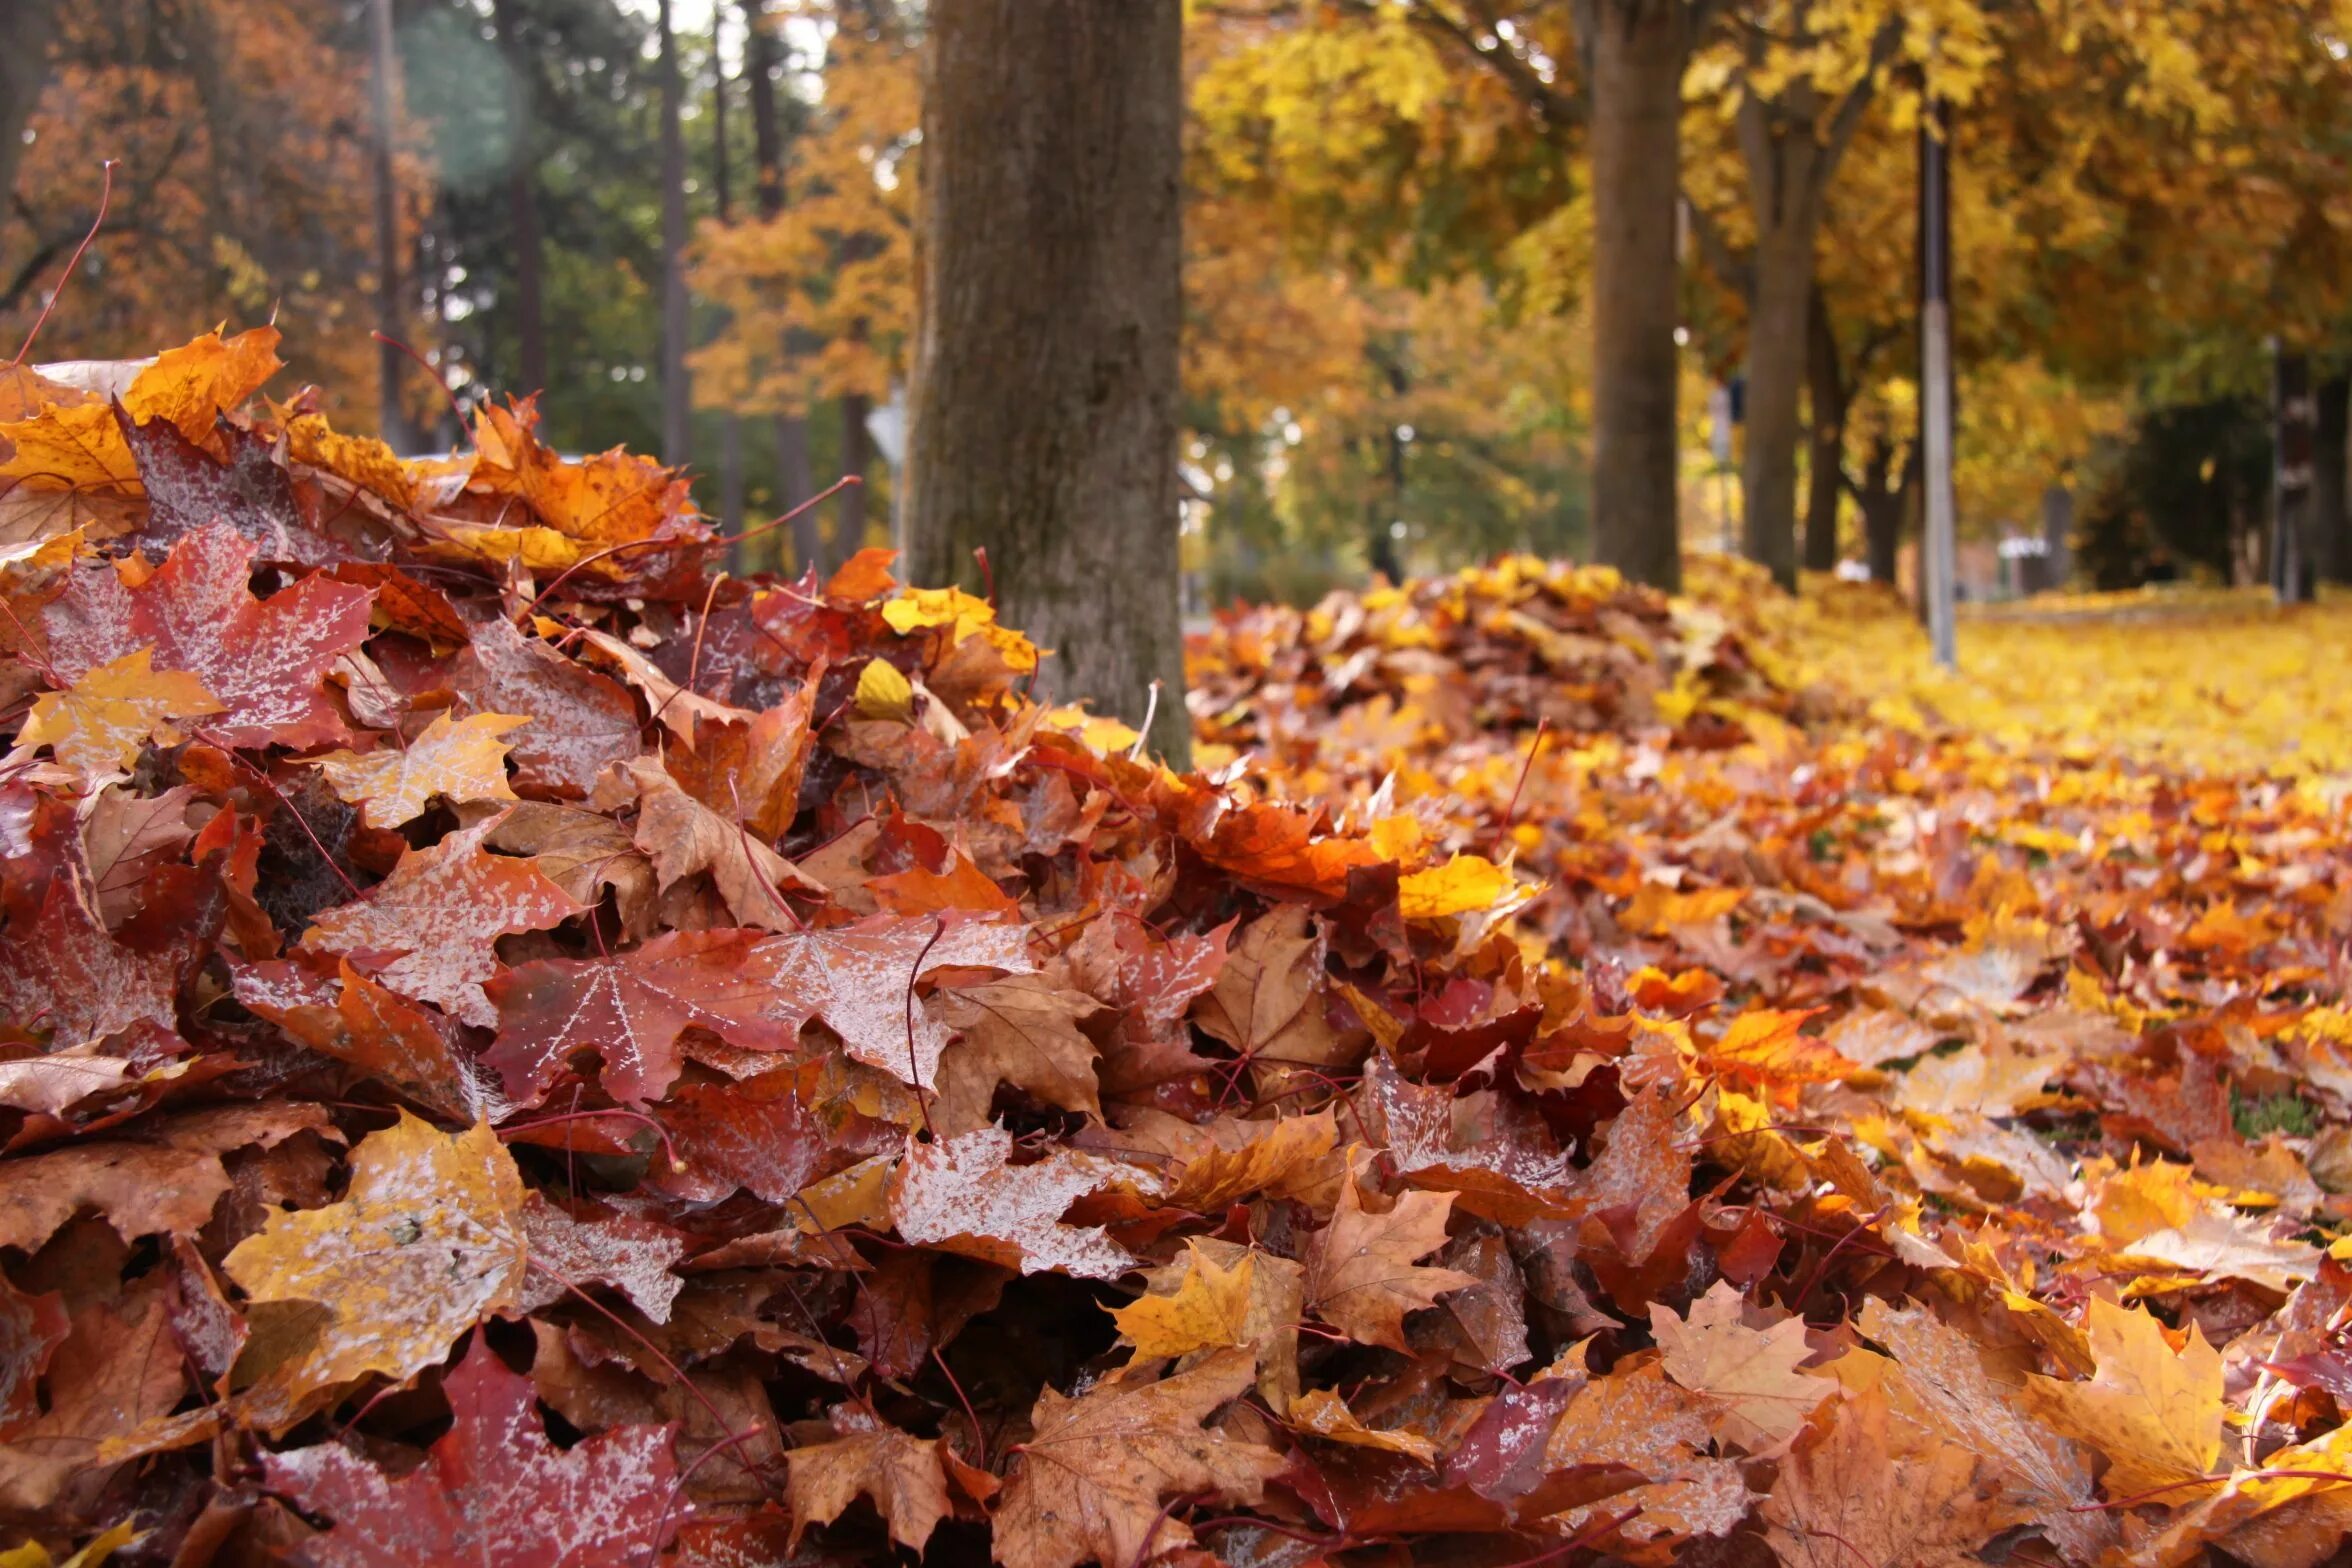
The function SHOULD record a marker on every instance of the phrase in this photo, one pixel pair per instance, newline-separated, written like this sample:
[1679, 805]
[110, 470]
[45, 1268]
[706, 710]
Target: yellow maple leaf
[458, 760]
[100, 724]
[884, 693]
[193, 384]
[1462, 884]
[70, 448]
[428, 1240]
[2156, 1414]
[1208, 1307]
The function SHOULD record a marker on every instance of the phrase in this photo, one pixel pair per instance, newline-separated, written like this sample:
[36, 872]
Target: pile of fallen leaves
[517, 1047]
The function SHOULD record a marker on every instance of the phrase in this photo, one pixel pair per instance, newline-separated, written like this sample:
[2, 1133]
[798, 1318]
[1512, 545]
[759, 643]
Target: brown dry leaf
[684, 837]
[902, 1475]
[429, 1239]
[1320, 1413]
[2155, 1414]
[962, 1195]
[117, 1368]
[1241, 1159]
[1022, 1030]
[1208, 1307]
[142, 1189]
[1855, 1496]
[442, 910]
[1091, 1479]
[1750, 1375]
[1268, 997]
[1945, 1388]
[106, 718]
[1361, 1274]
[459, 760]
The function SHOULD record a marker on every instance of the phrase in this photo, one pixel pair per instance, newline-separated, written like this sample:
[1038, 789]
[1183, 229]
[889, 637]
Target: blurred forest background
[1387, 259]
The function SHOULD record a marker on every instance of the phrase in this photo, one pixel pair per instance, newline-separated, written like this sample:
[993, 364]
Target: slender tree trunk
[522, 200]
[29, 26]
[2057, 535]
[1044, 408]
[795, 482]
[722, 195]
[857, 457]
[1825, 477]
[677, 396]
[1884, 497]
[1636, 50]
[390, 417]
[2293, 470]
[2331, 521]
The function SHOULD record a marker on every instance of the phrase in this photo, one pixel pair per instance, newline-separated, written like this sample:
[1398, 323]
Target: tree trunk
[722, 199]
[2331, 523]
[795, 482]
[1044, 420]
[2292, 471]
[391, 419]
[1882, 496]
[522, 199]
[1636, 50]
[857, 456]
[29, 26]
[2057, 536]
[677, 396]
[1825, 477]
[1776, 379]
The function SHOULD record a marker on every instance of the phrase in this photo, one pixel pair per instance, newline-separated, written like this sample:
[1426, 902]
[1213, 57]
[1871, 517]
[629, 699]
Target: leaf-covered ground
[516, 1048]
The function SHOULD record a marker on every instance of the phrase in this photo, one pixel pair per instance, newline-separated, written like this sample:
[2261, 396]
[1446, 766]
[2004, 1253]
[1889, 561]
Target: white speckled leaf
[960, 1195]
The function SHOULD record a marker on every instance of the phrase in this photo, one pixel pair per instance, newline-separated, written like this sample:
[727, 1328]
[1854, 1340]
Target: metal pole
[1941, 565]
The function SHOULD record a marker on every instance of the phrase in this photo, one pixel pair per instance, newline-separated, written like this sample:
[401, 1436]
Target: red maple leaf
[630, 1008]
[264, 659]
[493, 1492]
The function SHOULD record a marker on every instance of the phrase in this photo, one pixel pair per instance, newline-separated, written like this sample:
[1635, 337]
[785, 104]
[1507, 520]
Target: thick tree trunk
[1776, 379]
[1045, 390]
[29, 26]
[1825, 395]
[391, 419]
[2331, 523]
[1636, 50]
[677, 396]
[522, 199]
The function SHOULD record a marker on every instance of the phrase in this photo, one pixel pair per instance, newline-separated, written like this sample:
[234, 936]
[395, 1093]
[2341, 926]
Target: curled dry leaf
[1092, 1476]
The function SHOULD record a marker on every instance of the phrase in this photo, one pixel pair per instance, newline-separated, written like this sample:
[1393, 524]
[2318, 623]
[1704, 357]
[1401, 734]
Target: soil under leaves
[517, 1047]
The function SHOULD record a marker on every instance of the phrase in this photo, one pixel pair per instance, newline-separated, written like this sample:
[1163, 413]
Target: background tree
[1045, 393]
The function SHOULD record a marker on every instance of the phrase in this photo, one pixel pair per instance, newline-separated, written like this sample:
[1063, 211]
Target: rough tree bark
[795, 482]
[677, 397]
[1635, 51]
[1826, 398]
[1792, 144]
[522, 199]
[2331, 525]
[1043, 412]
